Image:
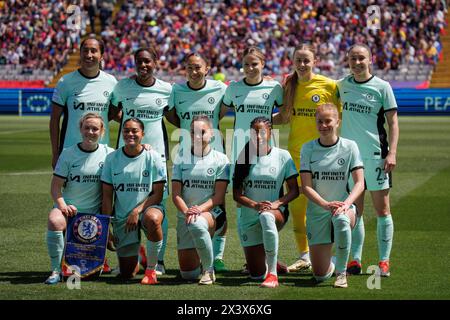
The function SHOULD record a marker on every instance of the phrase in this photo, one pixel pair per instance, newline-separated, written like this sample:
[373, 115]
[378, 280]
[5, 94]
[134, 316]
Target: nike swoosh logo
[313, 161]
[184, 169]
[346, 92]
[239, 96]
[342, 248]
[116, 174]
[129, 99]
[74, 166]
[181, 102]
[387, 240]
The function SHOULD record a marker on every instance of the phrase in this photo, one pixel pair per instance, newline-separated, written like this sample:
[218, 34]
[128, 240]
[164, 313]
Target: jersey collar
[86, 151]
[252, 85]
[84, 76]
[324, 146]
[204, 85]
[362, 82]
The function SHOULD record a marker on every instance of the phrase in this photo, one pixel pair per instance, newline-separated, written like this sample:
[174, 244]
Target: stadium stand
[406, 48]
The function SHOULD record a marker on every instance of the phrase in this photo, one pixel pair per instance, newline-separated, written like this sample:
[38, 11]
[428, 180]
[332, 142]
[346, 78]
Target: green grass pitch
[420, 205]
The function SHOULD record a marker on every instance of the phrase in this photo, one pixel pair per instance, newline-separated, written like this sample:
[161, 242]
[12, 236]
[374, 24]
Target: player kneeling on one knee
[260, 174]
[135, 178]
[200, 177]
[325, 167]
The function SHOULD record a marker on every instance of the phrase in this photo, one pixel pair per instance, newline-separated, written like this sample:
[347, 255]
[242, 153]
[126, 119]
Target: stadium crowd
[35, 34]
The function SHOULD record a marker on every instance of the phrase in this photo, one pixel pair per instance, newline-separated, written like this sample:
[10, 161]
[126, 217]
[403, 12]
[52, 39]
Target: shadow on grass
[24, 277]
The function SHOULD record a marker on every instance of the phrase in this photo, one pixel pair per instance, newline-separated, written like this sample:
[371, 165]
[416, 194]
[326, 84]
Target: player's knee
[190, 275]
[340, 222]
[198, 227]
[56, 222]
[152, 219]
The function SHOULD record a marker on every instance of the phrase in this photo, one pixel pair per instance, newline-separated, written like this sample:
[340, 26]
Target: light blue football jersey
[190, 102]
[363, 114]
[199, 175]
[250, 102]
[132, 178]
[266, 178]
[78, 95]
[331, 168]
[147, 104]
[82, 170]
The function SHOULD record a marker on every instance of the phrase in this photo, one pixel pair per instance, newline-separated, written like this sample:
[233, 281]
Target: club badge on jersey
[86, 241]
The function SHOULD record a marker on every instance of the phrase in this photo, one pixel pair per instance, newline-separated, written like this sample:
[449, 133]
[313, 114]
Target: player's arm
[223, 110]
[114, 113]
[218, 198]
[244, 200]
[55, 190]
[310, 193]
[293, 192]
[358, 189]
[280, 118]
[178, 201]
[394, 132]
[107, 198]
[172, 117]
[55, 117]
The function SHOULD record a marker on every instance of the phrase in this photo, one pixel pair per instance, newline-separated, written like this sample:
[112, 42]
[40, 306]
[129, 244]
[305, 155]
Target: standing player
[85, 161]
[81, 91]
[201, 96]
[145, 97]
[368, 102]
[135, 178]
[261, 171]
[198, 192]
[326, 166]
[303, 92]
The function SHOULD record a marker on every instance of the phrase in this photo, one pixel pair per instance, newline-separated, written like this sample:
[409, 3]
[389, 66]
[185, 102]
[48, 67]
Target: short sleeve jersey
[250, 102]
[132, 178]
[363, 114]
[78, 95]
[146, 104]
[267, 176]
[190, 102]
[330, 167]
[308, 96]
[82, 170]
[198, 176]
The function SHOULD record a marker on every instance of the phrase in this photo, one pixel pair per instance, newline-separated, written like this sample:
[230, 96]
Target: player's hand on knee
[132, 221]
[71, 210]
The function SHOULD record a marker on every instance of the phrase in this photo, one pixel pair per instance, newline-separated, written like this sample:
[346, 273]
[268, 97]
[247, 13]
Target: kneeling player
[325, 167]
[136, 177]
[199, 182]
[260, 173]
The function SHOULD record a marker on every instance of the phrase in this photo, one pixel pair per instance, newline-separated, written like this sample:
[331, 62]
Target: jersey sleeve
[278, 91]
[389, 102]
[62, 166]
[171, 102]
[305, 158]
[356, 161]
[289, 169]
[223, 170]
[106, 176]
[159, 173]
[335, 96]
[227, 98]
[114, 97]
[59, 94]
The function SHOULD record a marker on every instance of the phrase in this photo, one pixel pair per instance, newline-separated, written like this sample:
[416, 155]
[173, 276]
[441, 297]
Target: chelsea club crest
[87, 229]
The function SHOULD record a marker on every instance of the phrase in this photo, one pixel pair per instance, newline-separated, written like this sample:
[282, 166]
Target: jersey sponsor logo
[181, 102]
[341, 161]
[211, 100]
[248, 184]
[78, 106]
[241, 108]
[158, 101]
[145, 173]
[186, 183]
[74, 178]
[130, 113]
[244, 237]
[119, 187]
[315, 98]
[87, 228]
[186, 116]
[265, 96]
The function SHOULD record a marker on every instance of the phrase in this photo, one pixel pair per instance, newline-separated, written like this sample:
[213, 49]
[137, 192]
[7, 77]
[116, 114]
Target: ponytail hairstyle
[290, 83]
[247, 157]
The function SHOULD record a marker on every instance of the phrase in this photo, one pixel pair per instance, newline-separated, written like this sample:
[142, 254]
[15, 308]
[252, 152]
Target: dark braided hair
[247, 157]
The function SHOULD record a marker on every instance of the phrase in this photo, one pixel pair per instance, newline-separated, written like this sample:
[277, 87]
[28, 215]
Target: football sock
[202, 240]
[270, 240]
[358, 234]
[219, 246]
[165, 230]
[153, 249]
[342, 241]
[385, 233]
[55, 245]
